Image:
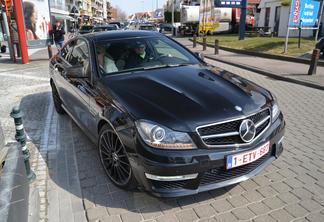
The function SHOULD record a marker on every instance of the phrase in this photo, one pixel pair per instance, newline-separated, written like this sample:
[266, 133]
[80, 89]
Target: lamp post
[319, 20]
[172, 18]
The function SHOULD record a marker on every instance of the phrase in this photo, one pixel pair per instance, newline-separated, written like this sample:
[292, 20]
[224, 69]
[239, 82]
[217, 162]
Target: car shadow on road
[73, 165]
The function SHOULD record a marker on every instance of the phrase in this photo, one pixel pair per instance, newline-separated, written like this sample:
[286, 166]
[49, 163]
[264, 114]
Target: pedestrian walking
[58, 34]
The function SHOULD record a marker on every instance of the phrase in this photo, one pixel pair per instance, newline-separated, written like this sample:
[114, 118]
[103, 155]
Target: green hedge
[168, 17]
[285, 2]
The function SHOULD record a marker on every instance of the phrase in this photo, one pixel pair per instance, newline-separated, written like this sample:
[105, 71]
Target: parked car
[165, 27]
[147, 27]
[163, 119]
[119, 24]
[85, 29]
[320, 45]
[103, 28]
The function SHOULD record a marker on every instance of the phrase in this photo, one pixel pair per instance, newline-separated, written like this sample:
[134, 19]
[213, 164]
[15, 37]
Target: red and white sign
[296, 12]
[247, 157]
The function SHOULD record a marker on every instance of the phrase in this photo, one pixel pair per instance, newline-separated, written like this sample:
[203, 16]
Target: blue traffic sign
[228, 3]
[304, 13]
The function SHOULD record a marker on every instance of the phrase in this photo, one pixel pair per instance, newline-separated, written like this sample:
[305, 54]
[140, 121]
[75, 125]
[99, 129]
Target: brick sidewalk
[77, 189]
[288, 70]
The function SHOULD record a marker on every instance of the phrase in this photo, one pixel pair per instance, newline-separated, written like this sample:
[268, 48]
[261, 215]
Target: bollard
[194, 43]
[313, 64]
[216, 47]
[49, 49]
[204, 42]
[17, 115]
[21, 138]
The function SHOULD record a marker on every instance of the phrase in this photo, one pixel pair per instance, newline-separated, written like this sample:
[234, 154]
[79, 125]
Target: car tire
[114, 159]
[57, 101]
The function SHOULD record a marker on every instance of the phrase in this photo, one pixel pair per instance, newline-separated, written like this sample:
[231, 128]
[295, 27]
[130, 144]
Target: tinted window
[125, 55]
[66, 50]
[80, 54]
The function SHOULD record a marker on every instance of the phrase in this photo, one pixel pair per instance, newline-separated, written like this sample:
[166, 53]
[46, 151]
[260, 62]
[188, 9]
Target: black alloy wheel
[114, 159]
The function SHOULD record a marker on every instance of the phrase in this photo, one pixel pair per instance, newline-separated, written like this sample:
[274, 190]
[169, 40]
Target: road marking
[47, 126]
[21, 76]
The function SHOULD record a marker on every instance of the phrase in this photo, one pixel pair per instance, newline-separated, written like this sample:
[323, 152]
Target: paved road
[291, 189]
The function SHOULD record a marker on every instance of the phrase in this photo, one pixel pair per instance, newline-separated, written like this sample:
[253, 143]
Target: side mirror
[199, 56]
[75, 72]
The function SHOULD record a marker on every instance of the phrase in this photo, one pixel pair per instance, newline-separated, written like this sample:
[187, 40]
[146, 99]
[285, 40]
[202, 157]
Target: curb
[264, 55]
[266, 73]
[14, 187]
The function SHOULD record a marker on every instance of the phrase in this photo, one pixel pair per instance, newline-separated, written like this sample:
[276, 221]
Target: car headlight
[275, 111]
[161, 137]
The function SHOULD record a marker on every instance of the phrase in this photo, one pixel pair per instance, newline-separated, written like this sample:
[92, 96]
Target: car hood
[183, 98]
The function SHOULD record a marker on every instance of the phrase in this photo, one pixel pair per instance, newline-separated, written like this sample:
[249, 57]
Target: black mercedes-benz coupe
[163, 120]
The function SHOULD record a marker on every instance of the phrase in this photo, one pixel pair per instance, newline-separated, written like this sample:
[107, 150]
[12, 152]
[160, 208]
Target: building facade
[276, 16]
[81, 12]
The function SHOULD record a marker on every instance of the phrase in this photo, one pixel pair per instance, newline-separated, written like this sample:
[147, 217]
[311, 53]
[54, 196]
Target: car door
[81, 86]
[62, 83]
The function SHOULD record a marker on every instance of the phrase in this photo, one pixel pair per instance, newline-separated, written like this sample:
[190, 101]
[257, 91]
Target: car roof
[104, 26]
[101, 36]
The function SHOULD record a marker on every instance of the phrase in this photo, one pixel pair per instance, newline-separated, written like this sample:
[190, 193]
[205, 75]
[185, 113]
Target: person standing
[58, 34]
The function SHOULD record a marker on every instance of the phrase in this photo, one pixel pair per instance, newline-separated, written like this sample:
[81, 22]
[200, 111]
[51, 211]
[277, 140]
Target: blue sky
[131, 6]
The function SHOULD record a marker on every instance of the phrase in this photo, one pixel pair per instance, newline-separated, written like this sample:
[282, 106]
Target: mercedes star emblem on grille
[247, 130]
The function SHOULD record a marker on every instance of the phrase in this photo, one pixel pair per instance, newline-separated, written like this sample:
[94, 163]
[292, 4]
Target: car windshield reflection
[128, 55]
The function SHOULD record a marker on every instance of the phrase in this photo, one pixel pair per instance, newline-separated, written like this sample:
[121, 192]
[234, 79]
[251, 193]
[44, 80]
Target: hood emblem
[238, 108]
[247, 130]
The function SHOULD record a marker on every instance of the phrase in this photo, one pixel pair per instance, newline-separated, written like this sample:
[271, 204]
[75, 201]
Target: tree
[108, 11]
[168, 16]
[121, 15]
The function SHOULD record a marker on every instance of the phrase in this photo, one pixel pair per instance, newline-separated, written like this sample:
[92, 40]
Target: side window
[80, 54]
[65, 51]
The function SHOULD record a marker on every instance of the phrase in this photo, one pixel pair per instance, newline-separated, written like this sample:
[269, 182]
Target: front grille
[221, 174]
[210, 134]
[262, 127]
[223, 140]
[212, 176]
[220, 128]
[170, 185]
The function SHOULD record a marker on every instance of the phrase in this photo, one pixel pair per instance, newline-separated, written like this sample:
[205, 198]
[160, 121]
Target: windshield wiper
[167, 66]
[153, 67]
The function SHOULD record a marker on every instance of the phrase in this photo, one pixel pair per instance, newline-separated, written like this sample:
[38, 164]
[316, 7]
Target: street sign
[304, 13]
[228, 3]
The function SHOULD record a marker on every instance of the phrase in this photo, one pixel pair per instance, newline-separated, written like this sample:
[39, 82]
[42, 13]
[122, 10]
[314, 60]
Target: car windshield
[128, 55]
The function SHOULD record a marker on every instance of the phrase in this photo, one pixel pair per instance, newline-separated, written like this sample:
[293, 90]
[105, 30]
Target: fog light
[171, 178]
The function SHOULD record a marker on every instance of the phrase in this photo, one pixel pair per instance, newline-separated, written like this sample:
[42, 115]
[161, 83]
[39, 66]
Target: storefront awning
[64, 17]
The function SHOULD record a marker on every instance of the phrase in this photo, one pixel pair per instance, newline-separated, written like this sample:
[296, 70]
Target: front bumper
[208, 164]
